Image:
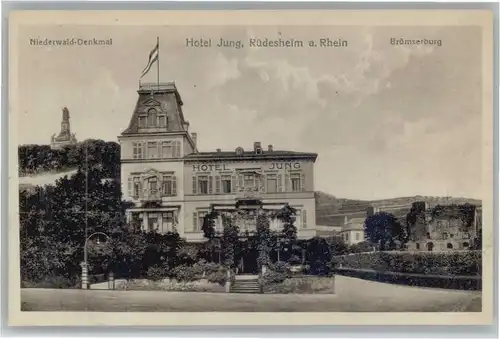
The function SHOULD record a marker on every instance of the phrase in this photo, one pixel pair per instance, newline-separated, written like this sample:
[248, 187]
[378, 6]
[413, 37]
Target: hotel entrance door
[247, 262]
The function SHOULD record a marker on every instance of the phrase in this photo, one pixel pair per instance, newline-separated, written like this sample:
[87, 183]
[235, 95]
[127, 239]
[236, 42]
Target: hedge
[423, 280]
[462, 263]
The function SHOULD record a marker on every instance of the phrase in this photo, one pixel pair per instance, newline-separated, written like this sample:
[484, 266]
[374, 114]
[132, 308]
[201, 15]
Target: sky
[386, 121]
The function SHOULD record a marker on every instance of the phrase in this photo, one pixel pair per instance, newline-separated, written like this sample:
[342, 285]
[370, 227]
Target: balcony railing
[151, 195]
[248, 193]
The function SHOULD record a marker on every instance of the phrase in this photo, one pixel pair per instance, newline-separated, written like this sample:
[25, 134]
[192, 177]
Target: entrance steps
[246, 284]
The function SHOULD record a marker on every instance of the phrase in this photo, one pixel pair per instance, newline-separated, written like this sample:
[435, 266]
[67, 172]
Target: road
[352, 295]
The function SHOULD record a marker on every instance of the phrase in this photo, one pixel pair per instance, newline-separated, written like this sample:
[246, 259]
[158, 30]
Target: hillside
[331, 210]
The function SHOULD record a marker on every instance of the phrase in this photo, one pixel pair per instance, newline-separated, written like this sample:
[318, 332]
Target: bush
[280, 267]
[432, 263]
[277, 273]
[361, 247]
[215, 273]
[186, 273]
[51, 282]
[157, 272]
[211, 271]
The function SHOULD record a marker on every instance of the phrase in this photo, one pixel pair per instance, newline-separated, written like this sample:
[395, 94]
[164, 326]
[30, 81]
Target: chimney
[270, 148]
[194, 136]
[257, 148]
[218, 150]
[372, 210]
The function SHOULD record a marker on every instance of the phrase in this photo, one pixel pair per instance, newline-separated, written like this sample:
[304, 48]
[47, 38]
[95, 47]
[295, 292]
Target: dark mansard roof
[251, 155]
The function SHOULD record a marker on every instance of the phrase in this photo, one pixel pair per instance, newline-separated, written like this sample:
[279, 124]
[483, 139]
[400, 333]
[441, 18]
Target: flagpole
[158, 63]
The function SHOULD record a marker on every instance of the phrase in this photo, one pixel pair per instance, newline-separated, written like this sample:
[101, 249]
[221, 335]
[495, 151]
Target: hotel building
[173, 185]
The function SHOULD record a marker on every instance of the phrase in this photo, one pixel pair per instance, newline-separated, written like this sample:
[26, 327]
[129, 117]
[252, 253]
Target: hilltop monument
[65, 137]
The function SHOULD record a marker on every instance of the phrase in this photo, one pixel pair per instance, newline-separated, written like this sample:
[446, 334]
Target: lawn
[351, 295]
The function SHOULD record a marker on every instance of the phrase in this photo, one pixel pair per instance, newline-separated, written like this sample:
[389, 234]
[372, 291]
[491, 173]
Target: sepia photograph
[251, 165]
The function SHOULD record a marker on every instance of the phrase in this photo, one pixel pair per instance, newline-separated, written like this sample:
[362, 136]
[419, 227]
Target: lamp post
[84, 264]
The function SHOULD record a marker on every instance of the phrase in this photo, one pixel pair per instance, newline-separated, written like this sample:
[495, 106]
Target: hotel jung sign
[211, 167]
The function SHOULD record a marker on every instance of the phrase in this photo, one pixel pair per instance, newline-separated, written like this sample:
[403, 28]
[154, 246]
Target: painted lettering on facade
[224, 167]
[209, 167]
[284, 165]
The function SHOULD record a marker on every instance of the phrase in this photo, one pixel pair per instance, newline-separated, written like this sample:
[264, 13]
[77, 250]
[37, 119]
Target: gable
[150, 103]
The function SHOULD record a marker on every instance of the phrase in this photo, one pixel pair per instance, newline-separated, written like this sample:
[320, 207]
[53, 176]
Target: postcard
[250, 167]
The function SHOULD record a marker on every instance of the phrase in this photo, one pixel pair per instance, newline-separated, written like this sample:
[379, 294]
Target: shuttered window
[210, 184]
[166, 149]
[280, 183]
[174, 185]
[152, 150]
[169, 185]
[138, 150]
[129, 186]
[217, 184]
[194, 185]
[302, 182]
[295, 182]
[226, 184]
[195, 221]
[203, 184]
[177, 149]
[233, 183]
[304, 219]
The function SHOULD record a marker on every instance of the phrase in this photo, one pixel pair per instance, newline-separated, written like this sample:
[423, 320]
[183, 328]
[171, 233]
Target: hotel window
[153, 187]
[168, 222]
[169, 185]
[152, 222]
[177, 149]
[296, 182]
[166, 149]
[272, 183]
[162, 121]
[134, 187]
[347, 237]
[152, 150]
[249, 180]
[203, 184]
[152, 116]
[137, 187]
[198, 220]
[357, 236]
[142, 122]
[304, 219]
[137, 149]
[226, 183]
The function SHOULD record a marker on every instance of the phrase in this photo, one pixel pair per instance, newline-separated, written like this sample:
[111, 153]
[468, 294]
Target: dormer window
[239, 151]
[142, 122]
[152, 116]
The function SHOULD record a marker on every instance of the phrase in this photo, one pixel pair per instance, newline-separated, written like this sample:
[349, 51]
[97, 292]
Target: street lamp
[85, 271]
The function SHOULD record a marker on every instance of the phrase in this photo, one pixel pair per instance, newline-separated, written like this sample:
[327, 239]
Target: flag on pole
[153, 57]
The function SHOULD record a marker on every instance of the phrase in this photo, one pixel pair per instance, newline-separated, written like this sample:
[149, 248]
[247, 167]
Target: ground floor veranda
[166, 219]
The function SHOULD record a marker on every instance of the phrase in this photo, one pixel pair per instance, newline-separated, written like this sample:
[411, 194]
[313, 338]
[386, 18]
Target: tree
[385, 230]
[318, 255]
[264, 239]
[287, 240]
[53, 221]
[361, 247]
[337, 245]
[230, 237]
